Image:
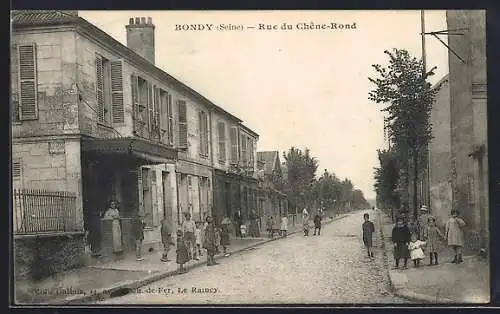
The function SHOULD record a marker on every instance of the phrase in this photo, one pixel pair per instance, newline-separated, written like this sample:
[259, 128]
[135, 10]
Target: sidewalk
[468, 282]
[103, 280]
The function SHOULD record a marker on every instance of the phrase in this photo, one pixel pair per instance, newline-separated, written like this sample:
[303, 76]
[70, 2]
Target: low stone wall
[39, 257]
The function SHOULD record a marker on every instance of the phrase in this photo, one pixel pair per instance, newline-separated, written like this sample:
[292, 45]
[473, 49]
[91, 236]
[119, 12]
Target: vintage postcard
[249, 157]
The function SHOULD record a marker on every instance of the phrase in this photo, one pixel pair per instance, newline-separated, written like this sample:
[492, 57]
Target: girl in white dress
[416, 251]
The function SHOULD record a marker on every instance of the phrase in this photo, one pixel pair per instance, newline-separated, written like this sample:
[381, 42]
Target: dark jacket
[317, 221]
[368, 229]
[138, 228]
[401, 234]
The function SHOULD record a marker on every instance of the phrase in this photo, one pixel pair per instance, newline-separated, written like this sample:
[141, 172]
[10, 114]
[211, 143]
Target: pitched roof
[271, 160]
[38, 18]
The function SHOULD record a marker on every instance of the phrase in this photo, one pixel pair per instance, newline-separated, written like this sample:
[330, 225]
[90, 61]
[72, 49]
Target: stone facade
[468, 122]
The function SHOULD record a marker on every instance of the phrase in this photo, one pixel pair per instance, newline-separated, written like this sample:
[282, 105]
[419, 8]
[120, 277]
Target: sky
[301, 88]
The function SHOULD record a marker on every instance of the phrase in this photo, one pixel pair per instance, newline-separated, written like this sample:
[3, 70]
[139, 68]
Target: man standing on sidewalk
[238, 220]
[188, 229]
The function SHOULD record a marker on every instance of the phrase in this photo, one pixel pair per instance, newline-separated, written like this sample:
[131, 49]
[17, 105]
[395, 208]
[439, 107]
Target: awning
[150, 152]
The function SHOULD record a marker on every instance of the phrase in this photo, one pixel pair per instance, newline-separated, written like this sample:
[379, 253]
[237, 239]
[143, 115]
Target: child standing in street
[284, 225]
[317, 223]
[197, 234]
[166, 239]
[224, 235]
[209, 241]
[368, 230]
[217, 240]
[416, 251]
[455, 235]
[401, 239]
[138, 227]
[432, 235]
[182, 252]
[269, 226]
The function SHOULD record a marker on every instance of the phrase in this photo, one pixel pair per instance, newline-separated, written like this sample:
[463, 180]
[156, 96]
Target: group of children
[411, 245]
[283, 229]
[192, 237]
[427, 237]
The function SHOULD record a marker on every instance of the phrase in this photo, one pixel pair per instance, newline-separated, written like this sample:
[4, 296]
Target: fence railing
[39, 211]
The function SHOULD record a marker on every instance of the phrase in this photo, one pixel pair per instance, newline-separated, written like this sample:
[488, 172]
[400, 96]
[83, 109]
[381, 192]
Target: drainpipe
[210, 212]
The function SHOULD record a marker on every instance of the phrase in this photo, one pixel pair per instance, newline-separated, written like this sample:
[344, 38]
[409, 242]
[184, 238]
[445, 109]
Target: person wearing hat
[423, 219]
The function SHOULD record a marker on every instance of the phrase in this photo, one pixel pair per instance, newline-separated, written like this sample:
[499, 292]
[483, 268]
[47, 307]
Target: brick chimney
[141, 37]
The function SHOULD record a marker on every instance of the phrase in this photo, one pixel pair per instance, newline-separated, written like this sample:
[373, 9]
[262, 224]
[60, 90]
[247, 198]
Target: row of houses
[94, 120]
[457, 175]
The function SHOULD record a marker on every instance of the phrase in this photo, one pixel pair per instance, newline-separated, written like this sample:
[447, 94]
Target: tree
[403, 88]
[386, 179]
[301, 167]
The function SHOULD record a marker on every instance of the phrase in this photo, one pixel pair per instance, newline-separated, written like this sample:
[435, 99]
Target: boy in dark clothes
[138, 230]
[166, 239]
[182, 252]
[317, 224]
[401, 238]
[368, 230]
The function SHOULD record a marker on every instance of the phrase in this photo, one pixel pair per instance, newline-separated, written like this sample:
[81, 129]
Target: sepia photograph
[265, 157]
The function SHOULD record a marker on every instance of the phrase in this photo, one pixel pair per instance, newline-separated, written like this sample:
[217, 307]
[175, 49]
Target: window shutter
[16, 169]
[233, 134]
[135, 103]
[201, 124]
[170, 111]
[205, 122]
[117, 110]
[154, 198]
[183, 132]
[99, 88]
[28, 99]
[243, 152]
[150, 109]
[157, 112]
[222, 141]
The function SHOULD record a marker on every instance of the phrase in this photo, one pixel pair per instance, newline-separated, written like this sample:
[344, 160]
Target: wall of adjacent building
[440, 155]
[468, 116]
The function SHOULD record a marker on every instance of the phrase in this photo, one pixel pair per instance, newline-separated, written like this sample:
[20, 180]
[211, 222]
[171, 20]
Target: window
[250, 152]
[244, 149]
[170, 113]
[27, 109]
[233, 137]
[183, 132]
[222, 141]
[203, 128]
[16, 169]
[109, 90]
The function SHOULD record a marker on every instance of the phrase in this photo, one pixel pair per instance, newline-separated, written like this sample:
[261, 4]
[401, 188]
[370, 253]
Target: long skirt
[401, 251]
[117, 236]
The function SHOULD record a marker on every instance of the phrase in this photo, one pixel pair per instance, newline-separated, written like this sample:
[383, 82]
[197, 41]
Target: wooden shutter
[201, 126]
[205, 131]
[99, 88]
[243, 152]
[154, 198]
[150, 108]
[233, 136]
[28, 100]
[222, 141]
[183, 132]
[117, 110]
[163, 115]
[170, 111]
[134, 86]
[250, 151]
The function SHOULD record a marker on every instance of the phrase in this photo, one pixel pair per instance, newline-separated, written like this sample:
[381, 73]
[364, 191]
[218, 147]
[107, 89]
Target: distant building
[273, 200]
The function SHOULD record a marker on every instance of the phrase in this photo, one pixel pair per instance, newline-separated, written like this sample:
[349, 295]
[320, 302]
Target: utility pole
[426, 192]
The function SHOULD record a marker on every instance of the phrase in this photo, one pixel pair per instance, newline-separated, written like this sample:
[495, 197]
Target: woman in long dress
[254, 225]
[113, 213]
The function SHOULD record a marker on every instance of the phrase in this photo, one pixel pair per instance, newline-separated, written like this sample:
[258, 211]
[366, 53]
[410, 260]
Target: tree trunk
[415, 184]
